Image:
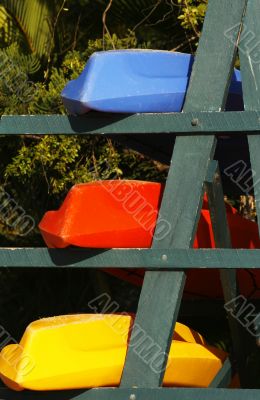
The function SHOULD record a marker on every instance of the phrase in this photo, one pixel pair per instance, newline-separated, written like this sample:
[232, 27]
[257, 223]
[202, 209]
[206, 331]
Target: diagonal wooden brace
[162, 291]
[228, 277]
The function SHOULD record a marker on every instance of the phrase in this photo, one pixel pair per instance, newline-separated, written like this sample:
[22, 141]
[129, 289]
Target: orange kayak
[105, 214]
[123, 214]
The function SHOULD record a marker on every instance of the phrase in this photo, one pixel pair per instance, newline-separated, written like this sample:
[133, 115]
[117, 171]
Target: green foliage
[15, 89]
[21, 21]
[42, 169]
[193, 13]
[64, 160]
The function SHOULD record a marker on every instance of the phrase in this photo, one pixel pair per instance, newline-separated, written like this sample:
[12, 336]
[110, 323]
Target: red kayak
[123, 214]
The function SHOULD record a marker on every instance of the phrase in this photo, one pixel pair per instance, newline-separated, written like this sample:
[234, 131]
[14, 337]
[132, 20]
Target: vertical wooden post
[228, 277]
[249, 52]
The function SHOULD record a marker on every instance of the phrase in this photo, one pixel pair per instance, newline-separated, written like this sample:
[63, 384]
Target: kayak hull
[123, 214]
[137, 81]
[105, 214]
[89, 350]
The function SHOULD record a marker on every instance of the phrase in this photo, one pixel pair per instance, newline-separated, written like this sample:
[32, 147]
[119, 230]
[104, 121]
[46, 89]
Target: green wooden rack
[192, 171]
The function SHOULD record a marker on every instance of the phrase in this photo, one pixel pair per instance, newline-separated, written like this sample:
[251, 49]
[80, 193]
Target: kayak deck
[137, 81]
[123, 214]
[89, 350]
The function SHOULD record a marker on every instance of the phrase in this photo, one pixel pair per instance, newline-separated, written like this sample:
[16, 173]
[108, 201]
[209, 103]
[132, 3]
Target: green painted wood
[221, 230]
[233, 123]
[250, 66]
[136, 394]
[151, 259]
[162, 291]
[217, 208]
[157, 313]
[224, 376]
[228, 277]
[214, 57]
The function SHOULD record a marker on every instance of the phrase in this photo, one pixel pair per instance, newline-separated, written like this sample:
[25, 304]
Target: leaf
[34, 20]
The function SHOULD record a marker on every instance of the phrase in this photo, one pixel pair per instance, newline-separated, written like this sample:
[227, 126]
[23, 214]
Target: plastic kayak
[123, 214]
[135, 81]
[89, 350]
[105, 214]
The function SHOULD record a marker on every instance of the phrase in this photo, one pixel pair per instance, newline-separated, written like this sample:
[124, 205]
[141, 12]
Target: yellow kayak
[89, 350]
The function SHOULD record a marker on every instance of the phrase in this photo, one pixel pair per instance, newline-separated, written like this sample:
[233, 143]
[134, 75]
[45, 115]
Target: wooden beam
[135, 394]
[250, 66]
[224, 376]
[228, 277]
[162, 291]
[151, 259]
[186, 123]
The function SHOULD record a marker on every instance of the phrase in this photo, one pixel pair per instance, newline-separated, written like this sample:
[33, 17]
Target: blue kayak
[136, 81]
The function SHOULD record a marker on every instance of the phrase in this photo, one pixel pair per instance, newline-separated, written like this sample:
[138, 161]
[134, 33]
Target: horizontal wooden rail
[136, 394]
[114, 124]
[152, 259]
